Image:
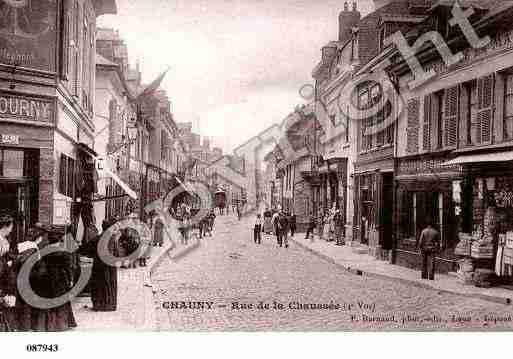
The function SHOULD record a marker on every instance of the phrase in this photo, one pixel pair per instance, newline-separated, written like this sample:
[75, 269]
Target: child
[257, 231]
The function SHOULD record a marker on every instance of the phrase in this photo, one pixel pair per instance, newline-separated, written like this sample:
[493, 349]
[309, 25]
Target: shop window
[508, 108]
[11, 163]
[67, 172]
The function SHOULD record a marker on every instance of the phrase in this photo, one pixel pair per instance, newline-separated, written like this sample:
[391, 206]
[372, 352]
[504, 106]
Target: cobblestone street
[236, 275]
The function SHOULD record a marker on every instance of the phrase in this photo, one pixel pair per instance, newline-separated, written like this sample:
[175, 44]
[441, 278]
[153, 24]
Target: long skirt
[104, 286]
[5, 325]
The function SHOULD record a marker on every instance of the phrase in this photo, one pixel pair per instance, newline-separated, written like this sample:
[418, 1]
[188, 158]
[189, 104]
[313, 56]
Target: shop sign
[26, 108]
[28, 33]
[9, 139]
[420, 166]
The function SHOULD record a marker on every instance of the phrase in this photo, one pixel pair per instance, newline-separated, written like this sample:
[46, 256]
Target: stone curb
[356, 271]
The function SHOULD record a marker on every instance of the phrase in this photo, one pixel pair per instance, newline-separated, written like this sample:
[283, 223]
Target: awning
[337, 155]
[477, 158]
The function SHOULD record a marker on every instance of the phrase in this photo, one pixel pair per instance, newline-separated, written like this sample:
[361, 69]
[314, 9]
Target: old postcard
[255, 165]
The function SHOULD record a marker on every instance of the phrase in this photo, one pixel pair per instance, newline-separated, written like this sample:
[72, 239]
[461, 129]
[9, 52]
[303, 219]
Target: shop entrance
[18, 188]
[387, 211]
[14, 199]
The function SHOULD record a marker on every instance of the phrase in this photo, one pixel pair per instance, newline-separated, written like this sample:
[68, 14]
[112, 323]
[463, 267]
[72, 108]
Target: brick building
[47, 94]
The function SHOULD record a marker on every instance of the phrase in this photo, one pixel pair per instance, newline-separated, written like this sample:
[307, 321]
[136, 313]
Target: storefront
[26, 166]
[485, 245]
[373, 201]
[425, 191]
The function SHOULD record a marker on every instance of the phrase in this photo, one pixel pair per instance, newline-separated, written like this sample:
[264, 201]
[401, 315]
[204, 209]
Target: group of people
[330, 226]
[282, 223]
[55, 274]
[50, 277]
[183, 213]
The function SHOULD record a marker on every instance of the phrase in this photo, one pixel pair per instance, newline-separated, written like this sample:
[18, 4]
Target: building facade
[46, 106]
[454, 153]
[374, 165]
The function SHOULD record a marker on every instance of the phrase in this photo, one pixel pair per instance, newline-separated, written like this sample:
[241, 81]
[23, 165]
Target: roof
[103, 7]
[102, 61]
[478, 4]
[104, 33]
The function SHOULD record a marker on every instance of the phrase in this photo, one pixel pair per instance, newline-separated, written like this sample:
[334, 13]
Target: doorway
[19, 173]
[15, 200]
[387, 211]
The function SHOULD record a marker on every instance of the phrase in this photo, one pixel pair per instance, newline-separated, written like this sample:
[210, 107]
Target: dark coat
[7, 287]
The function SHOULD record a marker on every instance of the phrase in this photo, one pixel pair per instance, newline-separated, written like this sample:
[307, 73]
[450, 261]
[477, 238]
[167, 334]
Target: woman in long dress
[104, 277]
[32, 318]
[60, 279]
[7, 275]
[51, 277]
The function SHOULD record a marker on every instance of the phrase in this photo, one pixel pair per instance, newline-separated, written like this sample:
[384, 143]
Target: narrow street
[231, 271]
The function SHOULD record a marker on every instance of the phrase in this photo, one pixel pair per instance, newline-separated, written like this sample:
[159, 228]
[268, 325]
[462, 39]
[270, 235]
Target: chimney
[346, 21]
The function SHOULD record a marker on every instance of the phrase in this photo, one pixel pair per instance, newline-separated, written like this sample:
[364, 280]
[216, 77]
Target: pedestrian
[104, 278]
[7, 275]
[274, 221]
[292, 220]
[283, 229]
[338, 222]
[320, 224]
[257, 230]
[158, 232]
[311, 226]
[30, 318]
[238, 212]
[326, 227]
[59, 283]
[429, 245]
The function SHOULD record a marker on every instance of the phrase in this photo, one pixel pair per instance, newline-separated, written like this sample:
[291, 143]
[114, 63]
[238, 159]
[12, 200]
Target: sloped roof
[478, 4]
[103, 7]
[102, 61]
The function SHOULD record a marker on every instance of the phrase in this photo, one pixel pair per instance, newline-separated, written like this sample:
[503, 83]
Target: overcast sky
[236, 66]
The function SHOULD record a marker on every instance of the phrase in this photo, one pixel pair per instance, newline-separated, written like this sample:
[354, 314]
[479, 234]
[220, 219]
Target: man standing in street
[311, 227]
[292, 224]
[257, 230]
[283, 229]
[274, 221]
[429, 245]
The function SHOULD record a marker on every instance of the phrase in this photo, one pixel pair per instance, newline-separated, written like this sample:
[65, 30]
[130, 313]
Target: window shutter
[412, 130]
[485, 102]
[62, 174]
[426, 127]
[451, 117]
